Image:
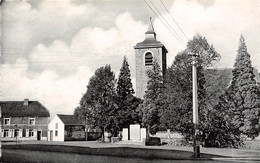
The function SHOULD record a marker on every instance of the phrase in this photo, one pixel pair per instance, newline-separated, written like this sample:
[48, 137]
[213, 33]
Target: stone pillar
[143, 136]
[135, 132]
[143, 133]
[125, 134]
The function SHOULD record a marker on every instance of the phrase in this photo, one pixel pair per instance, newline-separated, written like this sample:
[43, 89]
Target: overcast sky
[50, 49]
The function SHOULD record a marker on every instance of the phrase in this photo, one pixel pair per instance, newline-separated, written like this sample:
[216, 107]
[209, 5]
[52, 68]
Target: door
[39, 135]
[51, 135]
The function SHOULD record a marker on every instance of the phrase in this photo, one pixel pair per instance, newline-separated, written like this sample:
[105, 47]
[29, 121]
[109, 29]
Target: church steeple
[146, 52]
[150, 32]
[150, 40]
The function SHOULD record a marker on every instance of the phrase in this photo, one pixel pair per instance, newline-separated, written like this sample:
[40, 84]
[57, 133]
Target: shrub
[153, 141]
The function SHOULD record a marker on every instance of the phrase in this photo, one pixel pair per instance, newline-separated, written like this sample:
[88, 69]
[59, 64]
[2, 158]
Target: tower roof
[150, 28]
[150, 39]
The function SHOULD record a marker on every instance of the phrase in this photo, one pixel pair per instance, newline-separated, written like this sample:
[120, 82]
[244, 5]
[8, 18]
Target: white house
[65, 128]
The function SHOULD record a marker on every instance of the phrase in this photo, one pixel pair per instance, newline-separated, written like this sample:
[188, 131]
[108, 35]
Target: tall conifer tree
[124, 84]
[127, 103]
[245, 93]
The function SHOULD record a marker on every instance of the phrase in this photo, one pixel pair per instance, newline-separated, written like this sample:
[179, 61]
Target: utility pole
[196, 145]
[1, 133]
[16, 133]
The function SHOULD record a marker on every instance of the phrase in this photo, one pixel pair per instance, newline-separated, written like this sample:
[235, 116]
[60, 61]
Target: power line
[18, 51]
[57, 61]
[22, 67]
[22, 64]
[50, 62]
[167, 22]
[46, 64]
[174, 20]
[51, 53]
[168, 25]
[163, 23]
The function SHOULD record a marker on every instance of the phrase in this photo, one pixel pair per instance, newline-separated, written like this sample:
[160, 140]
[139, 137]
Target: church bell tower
[145, 54]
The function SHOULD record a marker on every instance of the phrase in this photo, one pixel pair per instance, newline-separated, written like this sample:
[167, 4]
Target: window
[16, 133]
[148, 59]
[31, 121]
[56, 129]
[2, 133]
[7, 121]
[20, 132]
[11, 132]
[6, 133]
[31, 133]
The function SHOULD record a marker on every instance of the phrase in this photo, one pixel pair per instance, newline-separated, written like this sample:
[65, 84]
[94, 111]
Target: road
[25, 155]
[58, 157]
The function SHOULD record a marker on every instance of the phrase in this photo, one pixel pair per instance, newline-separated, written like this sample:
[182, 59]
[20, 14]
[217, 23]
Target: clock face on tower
[146, 53]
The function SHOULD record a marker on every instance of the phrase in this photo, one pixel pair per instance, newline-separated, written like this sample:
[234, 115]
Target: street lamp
[196, 145]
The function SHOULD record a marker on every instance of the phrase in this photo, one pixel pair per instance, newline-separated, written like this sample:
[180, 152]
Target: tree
[217, 80]
[127, 103]
[244, 92]
[98, 103]
[208, 56]
[177, 113]
[150, 107]
[124, 84]
[221, 132]
[179, 95]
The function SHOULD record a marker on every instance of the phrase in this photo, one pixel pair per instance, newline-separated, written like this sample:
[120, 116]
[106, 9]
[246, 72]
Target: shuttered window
[148, 59]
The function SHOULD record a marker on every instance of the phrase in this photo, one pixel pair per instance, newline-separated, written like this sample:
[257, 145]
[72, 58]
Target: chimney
[26, 102]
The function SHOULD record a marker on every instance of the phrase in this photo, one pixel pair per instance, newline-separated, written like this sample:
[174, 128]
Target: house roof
[18, 109]
[228, 73]
[70, 119]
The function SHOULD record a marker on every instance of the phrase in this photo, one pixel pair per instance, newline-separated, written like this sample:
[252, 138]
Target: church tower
[145, 54]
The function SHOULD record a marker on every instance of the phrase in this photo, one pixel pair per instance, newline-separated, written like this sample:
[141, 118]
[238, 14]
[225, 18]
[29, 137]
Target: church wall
[141, 77]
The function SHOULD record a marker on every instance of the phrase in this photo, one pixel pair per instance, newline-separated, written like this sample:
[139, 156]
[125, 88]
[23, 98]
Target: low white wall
[18, 138]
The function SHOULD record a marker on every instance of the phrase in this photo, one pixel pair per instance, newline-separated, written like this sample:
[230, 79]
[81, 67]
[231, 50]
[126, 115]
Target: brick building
[26, 120]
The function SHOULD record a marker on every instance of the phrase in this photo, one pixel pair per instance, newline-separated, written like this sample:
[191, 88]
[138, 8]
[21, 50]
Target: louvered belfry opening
[148, 59]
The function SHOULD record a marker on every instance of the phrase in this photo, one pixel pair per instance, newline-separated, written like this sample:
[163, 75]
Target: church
[146, 52]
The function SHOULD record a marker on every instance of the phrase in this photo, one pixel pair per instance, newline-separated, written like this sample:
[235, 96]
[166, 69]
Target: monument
[137, 134]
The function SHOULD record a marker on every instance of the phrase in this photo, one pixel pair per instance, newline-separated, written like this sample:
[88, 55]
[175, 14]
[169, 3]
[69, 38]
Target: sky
[51, 48]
